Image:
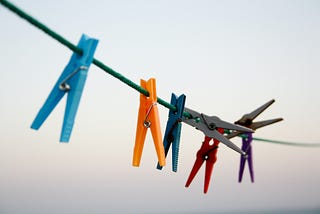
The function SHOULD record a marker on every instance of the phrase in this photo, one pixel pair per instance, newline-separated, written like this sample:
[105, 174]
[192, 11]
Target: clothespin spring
[64, 86]
[146, 122]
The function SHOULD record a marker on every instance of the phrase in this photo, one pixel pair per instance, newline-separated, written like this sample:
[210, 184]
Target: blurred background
[227, 57]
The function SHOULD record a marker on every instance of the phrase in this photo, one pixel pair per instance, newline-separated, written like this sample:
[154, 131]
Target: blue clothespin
[173, 130]
[71, 81]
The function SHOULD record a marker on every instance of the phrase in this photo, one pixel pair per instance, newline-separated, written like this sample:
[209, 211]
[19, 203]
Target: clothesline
[110, 71]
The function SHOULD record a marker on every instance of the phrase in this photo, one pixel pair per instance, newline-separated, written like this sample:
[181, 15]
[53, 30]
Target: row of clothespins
[72, 81]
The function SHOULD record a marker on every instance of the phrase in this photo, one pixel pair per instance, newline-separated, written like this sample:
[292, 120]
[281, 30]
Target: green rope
[227, 131]
[287, 143]
[121, 77]
[74, 48]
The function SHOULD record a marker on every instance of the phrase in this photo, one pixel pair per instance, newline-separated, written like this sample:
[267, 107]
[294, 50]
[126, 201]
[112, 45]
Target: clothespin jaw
[208, 153]
[209, 125]
[148, 117]
[247, 120]
[71, 81]
[173, 130]
[247, 147]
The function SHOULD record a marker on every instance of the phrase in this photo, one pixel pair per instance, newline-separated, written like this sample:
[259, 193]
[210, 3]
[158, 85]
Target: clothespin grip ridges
[173, 130]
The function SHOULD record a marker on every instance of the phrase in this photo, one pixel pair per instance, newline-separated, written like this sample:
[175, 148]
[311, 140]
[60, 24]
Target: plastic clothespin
[208, 153]
[173, 130]
[246, 147]
[71, 81]
[247, 121]
[209, 125]
[148, 117]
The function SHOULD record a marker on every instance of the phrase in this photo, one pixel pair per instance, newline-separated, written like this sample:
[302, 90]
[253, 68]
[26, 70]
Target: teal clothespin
[173, 130]
[71, 81]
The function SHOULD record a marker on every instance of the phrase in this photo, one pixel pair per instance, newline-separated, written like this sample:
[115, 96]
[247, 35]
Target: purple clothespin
[246, 147]
[247, 121]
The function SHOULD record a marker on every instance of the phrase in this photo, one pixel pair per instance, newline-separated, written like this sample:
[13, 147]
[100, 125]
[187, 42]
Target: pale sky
[227, 57]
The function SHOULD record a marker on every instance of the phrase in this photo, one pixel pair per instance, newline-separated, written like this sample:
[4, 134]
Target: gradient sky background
[228, 57]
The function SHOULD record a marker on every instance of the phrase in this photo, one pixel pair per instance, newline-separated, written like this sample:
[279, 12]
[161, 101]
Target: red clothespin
[208, 153]
[148, 117]
[212, 127]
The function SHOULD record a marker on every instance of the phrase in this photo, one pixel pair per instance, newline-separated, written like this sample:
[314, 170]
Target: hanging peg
[207, 153]
[247, 120]
[148, 117]
[209, 125]
[246, 146]
[173, 130]
[71, 82]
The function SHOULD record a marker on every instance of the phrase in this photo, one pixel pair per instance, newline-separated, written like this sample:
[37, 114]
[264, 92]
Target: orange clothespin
[148, 117]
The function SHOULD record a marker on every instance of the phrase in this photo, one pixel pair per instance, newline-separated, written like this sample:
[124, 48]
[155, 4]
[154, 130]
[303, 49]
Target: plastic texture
[247, 121]
[148, 117]
[246, 146]
[208, 153]
[173, 130]
[74, 75]
[209, 125]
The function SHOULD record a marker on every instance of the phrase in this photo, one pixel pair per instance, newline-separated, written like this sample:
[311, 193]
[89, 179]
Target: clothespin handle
[148, 117]
[71, 81]
[173, 129]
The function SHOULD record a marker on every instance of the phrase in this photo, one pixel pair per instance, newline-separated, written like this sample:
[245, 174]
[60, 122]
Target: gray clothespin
[209, 124]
